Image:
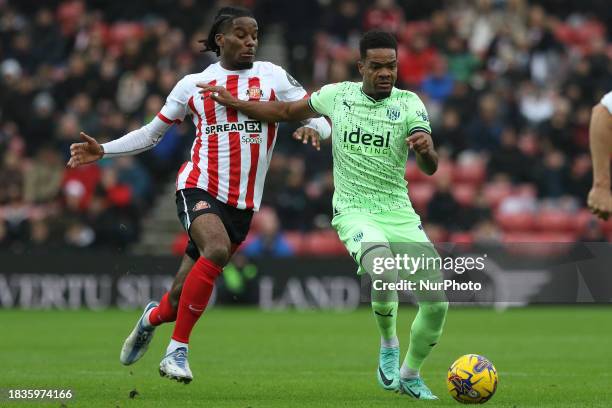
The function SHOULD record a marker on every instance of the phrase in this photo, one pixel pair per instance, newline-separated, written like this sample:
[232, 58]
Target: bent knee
[219, 254]
[438, 308]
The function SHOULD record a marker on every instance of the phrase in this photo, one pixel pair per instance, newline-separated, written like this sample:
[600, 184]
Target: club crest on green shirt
[393, 112]
[423, 115]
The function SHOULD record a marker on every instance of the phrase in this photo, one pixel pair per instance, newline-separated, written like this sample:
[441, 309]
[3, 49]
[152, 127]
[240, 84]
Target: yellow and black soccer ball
[472, 379]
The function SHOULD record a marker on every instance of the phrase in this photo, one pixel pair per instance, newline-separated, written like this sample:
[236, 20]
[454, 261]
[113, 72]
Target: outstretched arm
[600, 139]
[139, 140]
[132, 143]
[274, 111]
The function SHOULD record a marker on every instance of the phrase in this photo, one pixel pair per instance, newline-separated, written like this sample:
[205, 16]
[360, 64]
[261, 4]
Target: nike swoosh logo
[193, 309]
[414, 394]
[384, 379]
[389, 314]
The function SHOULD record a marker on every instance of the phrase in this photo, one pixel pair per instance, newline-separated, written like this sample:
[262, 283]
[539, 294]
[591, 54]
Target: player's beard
[382, 95]
[244, 65]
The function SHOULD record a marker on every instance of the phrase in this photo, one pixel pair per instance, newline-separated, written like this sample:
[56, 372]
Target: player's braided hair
[224, 16]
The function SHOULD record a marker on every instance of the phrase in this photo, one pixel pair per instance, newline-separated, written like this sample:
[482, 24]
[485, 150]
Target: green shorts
[401, 230]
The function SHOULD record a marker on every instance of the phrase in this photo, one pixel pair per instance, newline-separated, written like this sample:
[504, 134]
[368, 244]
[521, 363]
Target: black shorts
[193, 202]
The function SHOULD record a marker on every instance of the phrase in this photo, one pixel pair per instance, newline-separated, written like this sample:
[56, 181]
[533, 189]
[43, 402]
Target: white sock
[174, 345]
[146, 322]
[408, 373]
[389, 343]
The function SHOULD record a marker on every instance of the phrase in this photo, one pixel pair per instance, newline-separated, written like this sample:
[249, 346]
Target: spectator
[451, 133]
[443, 209]
[43, 178]
[268, 241]
[580, 177]
[132, 174]
[552, 175]
[415, 61]
[81, 183]
[486, 234]
[485, 129]
[384, 15]
[292, 203]
[516, 90]
[509, 160]
[441, 31]
[557, 131]
[439, 84]
[320, 194]
[537, 105]
[345, 22]
[42, 124]
[48, 43]
[40, 239]
[461, 63]
[474, 214]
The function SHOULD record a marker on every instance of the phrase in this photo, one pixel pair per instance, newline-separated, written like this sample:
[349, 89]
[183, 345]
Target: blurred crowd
[508, 84]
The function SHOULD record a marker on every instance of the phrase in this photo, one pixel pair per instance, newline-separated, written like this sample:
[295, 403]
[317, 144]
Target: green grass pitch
[545, 356]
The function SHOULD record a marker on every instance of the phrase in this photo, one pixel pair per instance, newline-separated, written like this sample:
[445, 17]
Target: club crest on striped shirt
[200, 205]
[254, 93]
[393, 112]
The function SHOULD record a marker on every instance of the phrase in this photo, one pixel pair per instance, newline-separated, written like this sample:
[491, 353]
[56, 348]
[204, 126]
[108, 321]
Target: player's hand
[420, 142]
[600, 202]
[83, 153]
[305, 133]
[218, 94]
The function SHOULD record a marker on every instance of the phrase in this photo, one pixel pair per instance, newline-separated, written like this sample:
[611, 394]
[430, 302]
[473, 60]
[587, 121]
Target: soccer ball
[472, 379]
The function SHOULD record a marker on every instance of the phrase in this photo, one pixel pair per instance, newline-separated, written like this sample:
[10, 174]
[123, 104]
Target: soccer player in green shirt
[374, 125]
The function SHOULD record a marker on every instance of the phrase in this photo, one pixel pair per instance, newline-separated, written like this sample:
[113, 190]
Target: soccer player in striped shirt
[374, 127]
[221, 185]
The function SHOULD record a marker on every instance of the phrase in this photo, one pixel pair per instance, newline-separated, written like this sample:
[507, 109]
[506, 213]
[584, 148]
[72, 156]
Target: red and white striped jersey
[231, 152]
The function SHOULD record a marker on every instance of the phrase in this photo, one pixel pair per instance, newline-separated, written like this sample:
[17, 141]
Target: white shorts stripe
[186, 211]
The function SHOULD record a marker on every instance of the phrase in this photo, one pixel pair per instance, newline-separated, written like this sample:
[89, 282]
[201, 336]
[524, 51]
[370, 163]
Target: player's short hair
[376, 39]
[225, 16]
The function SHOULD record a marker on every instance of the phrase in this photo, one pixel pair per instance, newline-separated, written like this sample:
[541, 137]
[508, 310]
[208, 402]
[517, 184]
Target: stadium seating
[555, 221]
[296, 240]
[322, 243]
[464, 193]
[85, 72]
[473, 172]
[420, 194]
[516, 222]
[539, 243]
[464, 238]
[495, 193]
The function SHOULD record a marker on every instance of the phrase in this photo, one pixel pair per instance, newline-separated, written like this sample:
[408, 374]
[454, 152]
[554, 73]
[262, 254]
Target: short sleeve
[175, 109]
[322, 101]
[607, 102]
[417, 119]
[286, 87]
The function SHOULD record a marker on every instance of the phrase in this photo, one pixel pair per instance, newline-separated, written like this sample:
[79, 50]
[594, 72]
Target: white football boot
[138, 341]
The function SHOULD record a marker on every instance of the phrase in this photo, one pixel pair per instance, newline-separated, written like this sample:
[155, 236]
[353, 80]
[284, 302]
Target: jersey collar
[369, 98]
[227, 71]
